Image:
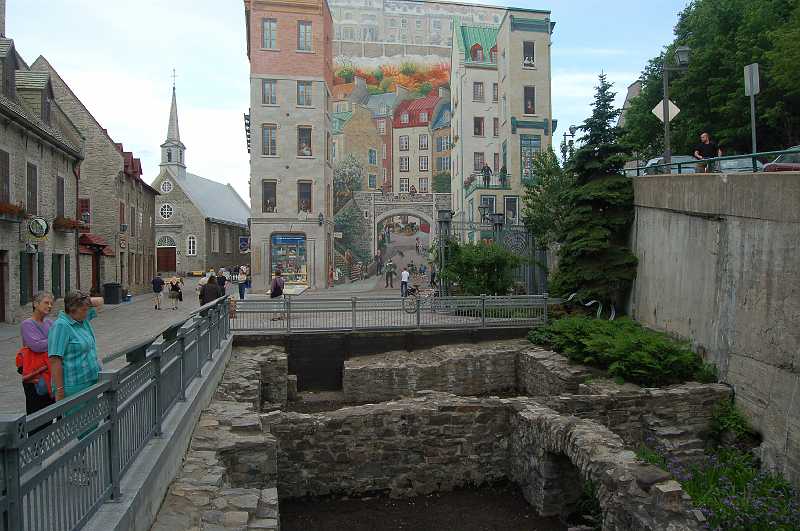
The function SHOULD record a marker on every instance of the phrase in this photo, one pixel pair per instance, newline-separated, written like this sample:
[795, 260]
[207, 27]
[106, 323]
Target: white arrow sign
[658, 110]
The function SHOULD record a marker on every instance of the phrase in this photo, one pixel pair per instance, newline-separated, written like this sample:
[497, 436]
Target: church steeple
[173, 151]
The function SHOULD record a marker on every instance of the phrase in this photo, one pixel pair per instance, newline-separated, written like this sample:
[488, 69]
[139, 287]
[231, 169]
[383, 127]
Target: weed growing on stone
[728, 420]
[625, 350]
[731, 491]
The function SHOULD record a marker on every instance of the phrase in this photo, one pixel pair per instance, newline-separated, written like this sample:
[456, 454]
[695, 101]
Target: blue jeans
[403, 289]
[242, 287]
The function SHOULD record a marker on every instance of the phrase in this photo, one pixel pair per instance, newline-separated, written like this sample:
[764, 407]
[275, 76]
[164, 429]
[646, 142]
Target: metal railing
[295, 315]
[476, 181]
[61, 464]
[711, 165]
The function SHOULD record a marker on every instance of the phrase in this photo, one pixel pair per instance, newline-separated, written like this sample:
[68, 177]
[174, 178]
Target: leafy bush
[624, 349]
[731, 492]
[726, 418]
[479, 269]
[441, 183]
[408, 69]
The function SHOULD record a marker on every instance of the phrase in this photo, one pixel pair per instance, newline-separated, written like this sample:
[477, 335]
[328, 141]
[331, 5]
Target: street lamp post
[564, 146]
[483, 211]
[444, 218]
[498, 221]
[682, 63]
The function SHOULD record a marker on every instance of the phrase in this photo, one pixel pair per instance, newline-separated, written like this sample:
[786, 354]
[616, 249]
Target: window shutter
[24, 296]
[55, 276]
[40, 271]
[66, 274]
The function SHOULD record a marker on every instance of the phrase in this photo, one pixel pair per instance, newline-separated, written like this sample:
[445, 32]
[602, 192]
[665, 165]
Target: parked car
[785, 162]
[739, 166]
[653, 165]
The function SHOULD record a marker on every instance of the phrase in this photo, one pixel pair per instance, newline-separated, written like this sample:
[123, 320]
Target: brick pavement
[116, 327]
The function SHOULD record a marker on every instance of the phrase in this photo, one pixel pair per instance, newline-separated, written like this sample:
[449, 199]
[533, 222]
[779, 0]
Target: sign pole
[667, 150]
[753, 121]
[752, 87]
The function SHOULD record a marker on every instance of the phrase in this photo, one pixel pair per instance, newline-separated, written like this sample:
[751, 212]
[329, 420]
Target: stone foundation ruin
[551, 432]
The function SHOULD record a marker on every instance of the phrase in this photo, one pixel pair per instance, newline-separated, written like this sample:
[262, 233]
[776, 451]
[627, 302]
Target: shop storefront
[289, 254]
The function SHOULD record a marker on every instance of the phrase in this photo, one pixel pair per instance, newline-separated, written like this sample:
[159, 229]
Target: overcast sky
[118, 59]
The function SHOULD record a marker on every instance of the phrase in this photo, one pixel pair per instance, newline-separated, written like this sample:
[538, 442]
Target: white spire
[172, 150]
[173, 132]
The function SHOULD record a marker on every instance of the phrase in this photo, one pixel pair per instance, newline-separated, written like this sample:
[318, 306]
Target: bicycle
[415, 293]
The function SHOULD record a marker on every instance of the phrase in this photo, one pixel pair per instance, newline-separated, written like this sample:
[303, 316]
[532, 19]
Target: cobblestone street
[117, 327]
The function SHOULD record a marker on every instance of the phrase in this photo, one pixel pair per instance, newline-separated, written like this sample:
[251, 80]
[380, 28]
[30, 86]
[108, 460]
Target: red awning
[105, 251]
[85, 250]
[92, 239]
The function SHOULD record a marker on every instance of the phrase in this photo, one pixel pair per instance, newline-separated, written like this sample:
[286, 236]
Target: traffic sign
[658, 110]
[752, 86]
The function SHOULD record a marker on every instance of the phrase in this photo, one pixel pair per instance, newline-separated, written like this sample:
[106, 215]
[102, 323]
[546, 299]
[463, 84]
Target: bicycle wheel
[410, 304]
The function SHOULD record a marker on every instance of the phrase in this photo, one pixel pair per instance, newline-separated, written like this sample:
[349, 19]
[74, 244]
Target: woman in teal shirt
[72, 347]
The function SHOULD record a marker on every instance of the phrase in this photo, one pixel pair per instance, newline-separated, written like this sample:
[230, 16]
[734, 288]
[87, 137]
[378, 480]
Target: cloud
[573, 93]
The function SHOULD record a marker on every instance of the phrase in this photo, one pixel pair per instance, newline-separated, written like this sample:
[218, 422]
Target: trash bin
[112, 293]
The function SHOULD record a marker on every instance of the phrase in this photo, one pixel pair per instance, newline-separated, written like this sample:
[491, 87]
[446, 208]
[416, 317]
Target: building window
[228, 240]
[32, 190]
[269, 140]
[383, 151]
[270, 32]
[477, 161]
[404, 143]
[530, 100]
[166, 186]
[165, 241]
[166, 212]
[423, 117]
[503, 108]
[488, 200]
[496, 126]
[423, 142]
[191, 245]
[133, 218]
[84, 207]
[304, 141]
[269, 92]
[169, 155]
[304, 203]
[60, 196]
[304, 36]
[404, 118]
[423, 185]
[477, 126]
[493, 54]
[496, 162]
[373, 156]
[403, 163]
[373, 180]
[269, 196]
[495, 92]
[381, 126]
[528, 57]
[477, 53]
[529, 145]
[512, 209]
[214, 239]
[477, 91]
[404, 184]
[327, 146]
[304, 93]
[5, 177]
[423, 163]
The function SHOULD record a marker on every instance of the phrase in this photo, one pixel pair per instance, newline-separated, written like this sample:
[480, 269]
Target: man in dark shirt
[158, 288]
[706, 149]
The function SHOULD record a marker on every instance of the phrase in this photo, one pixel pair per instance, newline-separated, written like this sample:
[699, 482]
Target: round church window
[166, 211]
[166, 187]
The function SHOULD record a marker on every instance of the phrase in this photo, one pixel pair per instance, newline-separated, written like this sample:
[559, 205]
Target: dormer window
[477, 53]
[493, 54]
[404, 118]
[423, 117]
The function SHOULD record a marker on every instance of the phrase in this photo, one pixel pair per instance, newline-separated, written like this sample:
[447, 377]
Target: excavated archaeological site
[435, 433]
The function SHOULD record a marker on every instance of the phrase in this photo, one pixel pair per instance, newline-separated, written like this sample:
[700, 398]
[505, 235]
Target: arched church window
[169, 155]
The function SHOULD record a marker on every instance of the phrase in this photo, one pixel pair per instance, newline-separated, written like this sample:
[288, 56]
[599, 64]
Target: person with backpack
[276, 290]
[175, 292]
[158, 288]
[32, 359]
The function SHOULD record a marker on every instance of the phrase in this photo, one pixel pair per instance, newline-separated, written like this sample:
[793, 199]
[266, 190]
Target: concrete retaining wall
[718, 263]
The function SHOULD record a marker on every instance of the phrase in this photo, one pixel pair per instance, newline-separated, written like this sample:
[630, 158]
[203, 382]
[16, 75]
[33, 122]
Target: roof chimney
[2, 18]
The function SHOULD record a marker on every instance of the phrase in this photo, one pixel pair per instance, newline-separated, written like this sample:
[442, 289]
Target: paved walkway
[117, 327]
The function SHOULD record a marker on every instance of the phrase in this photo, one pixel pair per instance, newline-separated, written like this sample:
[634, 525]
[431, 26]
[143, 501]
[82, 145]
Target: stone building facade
[502, 113]
[40, 155]
[354, 133]
[117, 244]
[291, 170]
[199, 222]
[382, 107]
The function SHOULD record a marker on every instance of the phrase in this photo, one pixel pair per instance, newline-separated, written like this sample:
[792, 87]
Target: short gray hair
[74, 300]
[39, 297]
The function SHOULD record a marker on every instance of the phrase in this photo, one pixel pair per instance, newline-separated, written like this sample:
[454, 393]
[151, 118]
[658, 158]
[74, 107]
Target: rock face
[542, 373]
[439, 441]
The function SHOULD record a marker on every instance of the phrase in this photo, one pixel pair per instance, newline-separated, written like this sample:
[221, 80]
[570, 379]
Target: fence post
[181, 339]
[154, 355]
[288, 304]
[112, 377]
[353, 313]
[483, 310]
[12, 428]
[419, 312]
[546, 301]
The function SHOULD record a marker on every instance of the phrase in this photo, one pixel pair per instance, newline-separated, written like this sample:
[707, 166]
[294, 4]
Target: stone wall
[718, 259]
[466, 369]
[543, 373]
[250, 377]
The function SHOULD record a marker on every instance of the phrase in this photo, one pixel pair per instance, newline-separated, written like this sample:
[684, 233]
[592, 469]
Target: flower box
[66, 224]
[12, 212]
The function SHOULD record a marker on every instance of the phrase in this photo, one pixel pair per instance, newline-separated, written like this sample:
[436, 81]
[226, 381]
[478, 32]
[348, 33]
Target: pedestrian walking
[404, 276]
[175, 291]
[433, 276]
[379, 262]
[276, 290]
[158, 288]
[209, 293]
[241, 279]
[32, 358]
[222, 280]
[706, 149]
[71, 346]
[390, 272]
[486, 172]
[416, 244]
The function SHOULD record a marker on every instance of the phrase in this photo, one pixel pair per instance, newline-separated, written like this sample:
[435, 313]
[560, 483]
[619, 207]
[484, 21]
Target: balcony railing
[476, 181]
